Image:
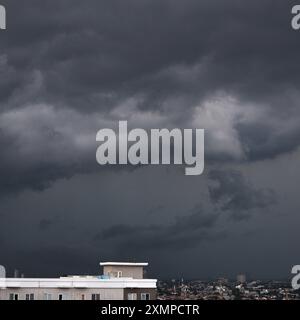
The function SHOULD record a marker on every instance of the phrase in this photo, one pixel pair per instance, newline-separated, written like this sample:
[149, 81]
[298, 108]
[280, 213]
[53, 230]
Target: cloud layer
[70, 68]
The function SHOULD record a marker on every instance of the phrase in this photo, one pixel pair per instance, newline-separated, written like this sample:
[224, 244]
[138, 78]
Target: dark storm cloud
[234, 194]
[93, 52]
[21, 170]
[231, 195]
[185, 232]
[170, 57]
[68, 258]
[47, 223]
[262, 141]
[155, 210]
[38, 178]
[96, 51]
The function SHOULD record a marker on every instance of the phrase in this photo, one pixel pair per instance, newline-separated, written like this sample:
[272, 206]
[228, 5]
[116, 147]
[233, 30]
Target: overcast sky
[69, 68]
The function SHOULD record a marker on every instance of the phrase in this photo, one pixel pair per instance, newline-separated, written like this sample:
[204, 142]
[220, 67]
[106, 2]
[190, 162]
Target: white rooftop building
[119, 281]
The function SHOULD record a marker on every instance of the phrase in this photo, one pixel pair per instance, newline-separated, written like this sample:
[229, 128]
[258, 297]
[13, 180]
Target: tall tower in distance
[241, 278]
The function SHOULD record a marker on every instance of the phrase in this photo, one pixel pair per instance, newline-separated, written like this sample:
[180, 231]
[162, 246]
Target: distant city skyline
[227, 290]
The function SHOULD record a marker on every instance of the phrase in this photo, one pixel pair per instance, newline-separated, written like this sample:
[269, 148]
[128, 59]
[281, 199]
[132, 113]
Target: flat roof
[70, 283]
[128, 264]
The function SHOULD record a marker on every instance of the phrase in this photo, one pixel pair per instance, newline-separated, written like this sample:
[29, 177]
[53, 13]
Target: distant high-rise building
[241, 278]
[222, 281]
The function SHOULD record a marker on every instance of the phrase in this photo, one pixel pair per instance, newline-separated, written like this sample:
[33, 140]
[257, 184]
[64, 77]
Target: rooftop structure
[119, 281]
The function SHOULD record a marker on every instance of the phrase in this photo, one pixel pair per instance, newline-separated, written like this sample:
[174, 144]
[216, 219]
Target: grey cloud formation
[95, 52]
[50, 255]
[38, 149]
[163, 60]
[70, 67]
[185, 232]
[231, 195]
[234, 194]
[48, 223]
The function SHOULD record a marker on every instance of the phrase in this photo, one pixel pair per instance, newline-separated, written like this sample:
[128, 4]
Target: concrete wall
[139, 291]
[136, 272]
[70, 294]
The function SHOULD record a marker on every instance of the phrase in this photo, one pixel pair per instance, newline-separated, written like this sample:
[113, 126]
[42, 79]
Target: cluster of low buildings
[224, 289]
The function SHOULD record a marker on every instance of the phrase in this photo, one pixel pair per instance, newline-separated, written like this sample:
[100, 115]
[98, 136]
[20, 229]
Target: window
[132, 296]
[47, 296]
[115, 274]
[120, 274]
[145, 296]
[62, 296]
[95, 296]
[29, 296]
[13, 296]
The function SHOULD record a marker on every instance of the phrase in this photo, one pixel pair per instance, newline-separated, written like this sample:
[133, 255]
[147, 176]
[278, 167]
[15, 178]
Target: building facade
[119, 281]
